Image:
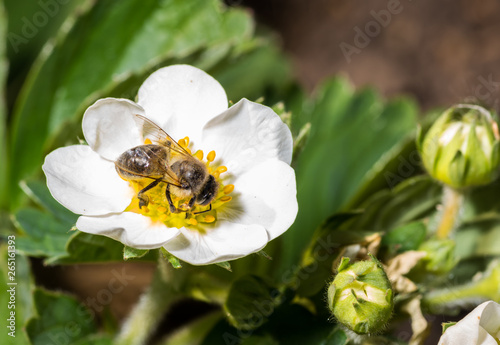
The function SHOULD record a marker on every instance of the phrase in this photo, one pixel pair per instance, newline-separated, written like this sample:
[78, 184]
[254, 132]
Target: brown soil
[439, 52]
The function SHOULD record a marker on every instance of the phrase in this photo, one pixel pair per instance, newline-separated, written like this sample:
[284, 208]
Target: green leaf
[350, 133]
[260, 340]
[45, 235]
[39, 193]
[478, 238]
[173, 260]
[446, 325]
[96, 339]
[133, 253]
[23, 304]
[225, 265]
[250, 302]
[60, 319]
[404, 238]
[411, 200]
[3, 110]
[107, 45]
[31, 25]
[87, 248]
[263, 68]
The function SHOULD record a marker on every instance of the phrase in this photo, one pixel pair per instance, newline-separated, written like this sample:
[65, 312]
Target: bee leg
[190, 206]
[173, 209]
[209, 209]
[143, 199]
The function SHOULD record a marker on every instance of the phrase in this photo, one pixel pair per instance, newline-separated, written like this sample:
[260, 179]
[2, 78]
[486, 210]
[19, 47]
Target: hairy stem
[152, 306]
[452, 202]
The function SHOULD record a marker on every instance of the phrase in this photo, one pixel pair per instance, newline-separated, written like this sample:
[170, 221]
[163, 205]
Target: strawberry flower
[249, 153]
[480, 327]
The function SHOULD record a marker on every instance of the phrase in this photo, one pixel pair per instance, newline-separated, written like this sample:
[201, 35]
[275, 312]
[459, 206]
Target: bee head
[208, 192]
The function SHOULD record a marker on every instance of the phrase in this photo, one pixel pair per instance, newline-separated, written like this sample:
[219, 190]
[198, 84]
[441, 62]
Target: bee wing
[158, 136]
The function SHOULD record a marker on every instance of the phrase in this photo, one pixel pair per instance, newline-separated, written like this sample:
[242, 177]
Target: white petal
[222, 242]
[490, 319]
[246, 134]
[109, 126]
[265, 195]
[181, 99]
[84, 182]
[475, 328]
[131, 229]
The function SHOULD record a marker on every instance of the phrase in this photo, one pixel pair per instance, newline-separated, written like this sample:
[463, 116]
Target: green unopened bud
[462, 148]
[440, 257]
[360, 296]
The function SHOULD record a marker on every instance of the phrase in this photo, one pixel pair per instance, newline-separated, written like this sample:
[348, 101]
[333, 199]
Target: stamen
[228, 189]
[209, 219]
[221, 169]
[199, 154]
[192, 217]
[211, 156]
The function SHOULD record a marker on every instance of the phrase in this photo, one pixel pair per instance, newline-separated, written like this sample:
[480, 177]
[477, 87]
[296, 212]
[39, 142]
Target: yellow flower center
[158, 207]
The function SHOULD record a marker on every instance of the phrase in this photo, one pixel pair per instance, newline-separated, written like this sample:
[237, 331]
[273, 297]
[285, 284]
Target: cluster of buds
[360, 297]
[461, 149]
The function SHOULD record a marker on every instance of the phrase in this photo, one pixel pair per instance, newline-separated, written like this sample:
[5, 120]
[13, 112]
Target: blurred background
[438, 52]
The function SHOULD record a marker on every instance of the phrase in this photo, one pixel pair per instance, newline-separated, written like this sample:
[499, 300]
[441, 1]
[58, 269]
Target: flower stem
[486, 287]
[452, 202]
[151, 307]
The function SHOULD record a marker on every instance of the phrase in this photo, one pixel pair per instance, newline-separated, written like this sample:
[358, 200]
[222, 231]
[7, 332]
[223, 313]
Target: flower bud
[461, 148]
[360, 297]
[440, 257]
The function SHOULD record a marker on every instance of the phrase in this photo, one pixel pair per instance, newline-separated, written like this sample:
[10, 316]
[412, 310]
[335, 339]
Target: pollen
[195, 217]
[148, 141]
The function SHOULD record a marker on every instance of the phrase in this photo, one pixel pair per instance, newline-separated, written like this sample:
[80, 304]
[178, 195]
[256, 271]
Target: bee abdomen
[140, 161]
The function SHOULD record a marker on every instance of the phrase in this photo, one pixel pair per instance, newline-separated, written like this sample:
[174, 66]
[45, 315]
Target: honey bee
[164, 160]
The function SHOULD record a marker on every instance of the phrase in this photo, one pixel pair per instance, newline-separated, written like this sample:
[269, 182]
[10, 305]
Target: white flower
[250, 140]
[480, 327]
